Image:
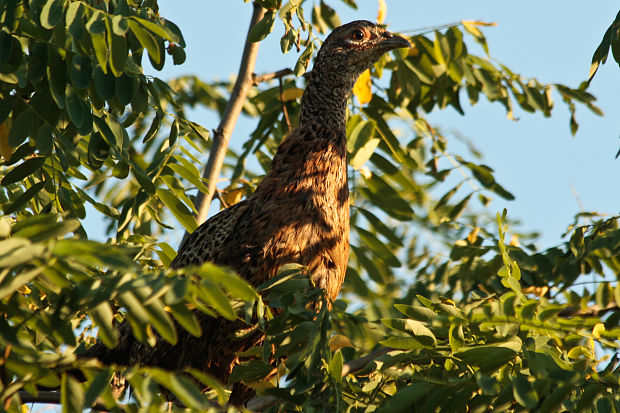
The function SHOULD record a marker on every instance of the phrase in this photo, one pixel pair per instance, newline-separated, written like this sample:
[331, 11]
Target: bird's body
[298, 214]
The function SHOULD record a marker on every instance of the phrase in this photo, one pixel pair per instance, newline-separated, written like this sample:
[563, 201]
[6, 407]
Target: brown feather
[298, 214]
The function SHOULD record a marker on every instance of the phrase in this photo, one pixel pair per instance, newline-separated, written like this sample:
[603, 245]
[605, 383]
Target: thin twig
[428, 29]
[256, 79]
[222, 134]
[592, 311]
[284, 110]
[358, 364]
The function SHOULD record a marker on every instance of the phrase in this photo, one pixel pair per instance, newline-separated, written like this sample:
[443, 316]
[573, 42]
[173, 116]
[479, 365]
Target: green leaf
[555, 399]
[231, 282]
[362, 143]
[162, 31]
[603, 295]
[387, 198]
[190, 176]
[174, 29]
[57, 76]
[212, 383]
[174, 132]
[21, 127]
[178, 209]
[119, 25]
[249, 372]
[577, 245]
[24, 198]
[8, 288]
[178, 54]
[379, 249]
[134, 306]
[143, 179]
[403, 343]
[23, 170]
[213, 295]
[118, 54]
[161, 321]
[412, 327]
[75, 107]
[182, 387]
[102, 317]
[550, 311]
[71, 395]
[405, 397]
[186, 318]
[600, 54]
[524, 393]
[81, 70]
[304, 59]
[147, 40]
[261, 29]
[155, 124]
[111, 130]
[335, 367]
[104, 83]
[73, 16]
[416, 312]
[124, 89]
[6, 106]
[97, 385]
[490, 357]
[381, 227]
[98, 150]
[52, 13]
[97, 28]
[458, 209]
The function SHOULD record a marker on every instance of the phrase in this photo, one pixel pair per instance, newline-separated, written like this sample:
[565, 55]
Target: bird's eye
[357, 35]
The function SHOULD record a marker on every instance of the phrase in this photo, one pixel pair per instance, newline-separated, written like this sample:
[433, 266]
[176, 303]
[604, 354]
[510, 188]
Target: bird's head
[354, 47]
[345, 54]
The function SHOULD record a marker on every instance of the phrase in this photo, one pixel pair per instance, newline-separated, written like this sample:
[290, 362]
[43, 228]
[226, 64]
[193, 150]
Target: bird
[299, 213]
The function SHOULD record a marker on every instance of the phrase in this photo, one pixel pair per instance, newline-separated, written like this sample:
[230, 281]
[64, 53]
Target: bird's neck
[325, 99]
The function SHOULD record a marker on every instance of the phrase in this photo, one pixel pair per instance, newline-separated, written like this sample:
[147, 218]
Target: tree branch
[222, 134]
[52, 397]
[279, 74]
[592, 311]
[358, 364]
[273, 75]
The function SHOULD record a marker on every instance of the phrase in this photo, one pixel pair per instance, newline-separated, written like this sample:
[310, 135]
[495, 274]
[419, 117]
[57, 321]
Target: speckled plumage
[298, 214]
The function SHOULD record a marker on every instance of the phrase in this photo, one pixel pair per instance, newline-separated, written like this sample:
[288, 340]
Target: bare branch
[268, 76]
[51, 397]
[222, 134]
[279, 74]
[358, 364]
[592, 311]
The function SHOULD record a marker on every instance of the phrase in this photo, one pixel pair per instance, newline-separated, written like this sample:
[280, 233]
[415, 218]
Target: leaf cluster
[442, 307]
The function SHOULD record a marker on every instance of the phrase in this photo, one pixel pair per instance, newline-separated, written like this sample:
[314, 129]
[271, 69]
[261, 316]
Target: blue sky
[550, 173]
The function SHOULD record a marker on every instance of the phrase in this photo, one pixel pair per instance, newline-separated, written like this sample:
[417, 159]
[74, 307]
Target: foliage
[462, 319]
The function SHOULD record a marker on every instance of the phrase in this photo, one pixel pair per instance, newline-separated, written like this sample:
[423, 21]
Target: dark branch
[592, 311]
[52, 397]
[273, 75]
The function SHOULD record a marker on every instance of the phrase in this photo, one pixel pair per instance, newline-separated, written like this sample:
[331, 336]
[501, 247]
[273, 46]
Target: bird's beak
[393, 41]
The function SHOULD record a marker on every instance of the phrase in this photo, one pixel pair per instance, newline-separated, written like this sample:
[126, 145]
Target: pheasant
[299, 213]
